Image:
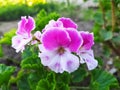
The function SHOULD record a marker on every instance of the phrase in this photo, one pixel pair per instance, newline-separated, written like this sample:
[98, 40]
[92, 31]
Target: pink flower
[56, 48]
[23, 37]
[25, 26]
[85, 53]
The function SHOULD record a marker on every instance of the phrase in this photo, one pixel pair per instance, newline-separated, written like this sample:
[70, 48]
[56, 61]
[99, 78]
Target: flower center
[61, 50]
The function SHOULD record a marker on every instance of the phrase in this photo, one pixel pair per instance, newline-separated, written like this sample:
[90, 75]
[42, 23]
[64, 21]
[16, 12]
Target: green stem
[77, 87]
[103, 14]
[113, 14]
[68, 3]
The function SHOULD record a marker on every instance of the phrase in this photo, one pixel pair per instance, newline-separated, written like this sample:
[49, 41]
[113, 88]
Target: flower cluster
[62, 47]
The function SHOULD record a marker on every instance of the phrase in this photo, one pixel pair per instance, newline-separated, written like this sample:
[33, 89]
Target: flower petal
[76, 40]
[91, 63]
[30, 25]
[55, 64]
[21, 25]
[88, 58]
[69, 62]
[53, 23]
[46, 57]
[25, 26]
[68, 23]
[88, 40]
[18, 43]
[55, 38]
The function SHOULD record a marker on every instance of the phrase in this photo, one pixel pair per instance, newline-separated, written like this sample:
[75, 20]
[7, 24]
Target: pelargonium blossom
[85, 52]
[62, 47]
[57, 47]
[61, 22]
[25, 26]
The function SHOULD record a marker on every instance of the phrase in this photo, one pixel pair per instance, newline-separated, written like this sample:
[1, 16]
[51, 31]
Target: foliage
[6, 39]
[106, 27]
[32, 75]
[43, 18]
[5, 74]
[101, 80]
[14, 12]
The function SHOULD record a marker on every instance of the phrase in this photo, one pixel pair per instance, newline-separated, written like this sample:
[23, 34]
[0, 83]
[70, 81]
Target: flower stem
[113, 14]
[103, 14]
[81, 88]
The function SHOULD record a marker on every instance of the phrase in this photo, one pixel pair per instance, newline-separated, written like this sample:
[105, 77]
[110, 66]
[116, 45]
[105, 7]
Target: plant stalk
[103, 14]
[113, 14]
[81, 88]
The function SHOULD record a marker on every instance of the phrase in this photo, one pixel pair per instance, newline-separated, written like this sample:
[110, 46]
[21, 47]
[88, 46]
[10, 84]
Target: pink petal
[53, 23]
[69, 62]
[68, 23]
[55, 38]
[21, 25]
[25, 26]
[76, 40]
[30, 25]
[88, 40]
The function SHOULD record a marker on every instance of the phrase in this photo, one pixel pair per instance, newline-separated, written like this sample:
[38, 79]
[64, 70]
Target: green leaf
[96, 29]
[8, 37]
[79, 75]
[63, 78]
[107, 51]
[43, 84]
[43, 18]
[23, 83]
[116, 40]
[98, 18]
[62, 86]
[33, 79]
[106, 35]
[116, 63]
[102, 80]
[5, 73]
[32, 62]
[51, 77]
[29, 51]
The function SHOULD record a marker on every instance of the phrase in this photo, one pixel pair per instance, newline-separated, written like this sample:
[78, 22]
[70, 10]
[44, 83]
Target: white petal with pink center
[59, 62]
[18, 43]
[88, 58]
